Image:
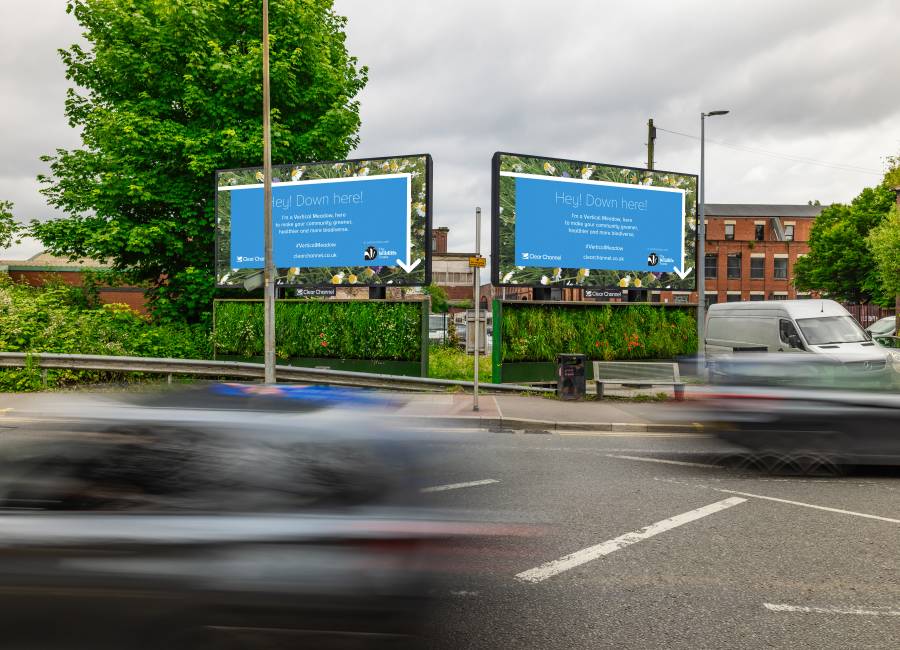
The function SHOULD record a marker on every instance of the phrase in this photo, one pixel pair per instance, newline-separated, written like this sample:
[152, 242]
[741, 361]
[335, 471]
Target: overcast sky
[809, 80]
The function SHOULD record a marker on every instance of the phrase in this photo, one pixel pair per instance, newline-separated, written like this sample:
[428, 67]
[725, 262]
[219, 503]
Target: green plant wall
[538, 332]
[353, 329]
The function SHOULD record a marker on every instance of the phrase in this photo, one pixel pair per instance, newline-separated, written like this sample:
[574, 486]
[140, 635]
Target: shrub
[57, 318]
[538, 333]
[322, 328]
[445, 362]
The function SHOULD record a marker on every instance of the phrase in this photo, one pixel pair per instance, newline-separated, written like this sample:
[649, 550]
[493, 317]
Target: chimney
[439, 239]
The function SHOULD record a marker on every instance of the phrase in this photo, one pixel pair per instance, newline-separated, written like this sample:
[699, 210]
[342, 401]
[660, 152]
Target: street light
[701, 237]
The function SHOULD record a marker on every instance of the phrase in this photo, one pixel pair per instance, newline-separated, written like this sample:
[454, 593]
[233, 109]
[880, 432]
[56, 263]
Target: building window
[789, 233]
[711, 299]
[757, 268]
[712, 265]
[733, 297]
[734, 266]
[760, 232]
[729, 231]
[781, 268]
[779, 296]
[755, 297]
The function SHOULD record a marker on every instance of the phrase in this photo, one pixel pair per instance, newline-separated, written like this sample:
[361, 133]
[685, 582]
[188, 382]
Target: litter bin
[570, 376]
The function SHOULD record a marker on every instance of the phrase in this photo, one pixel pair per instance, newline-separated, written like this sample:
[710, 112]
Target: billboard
[568, 223]
[349, 222]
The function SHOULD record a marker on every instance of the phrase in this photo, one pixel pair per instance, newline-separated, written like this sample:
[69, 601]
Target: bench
[638, 372]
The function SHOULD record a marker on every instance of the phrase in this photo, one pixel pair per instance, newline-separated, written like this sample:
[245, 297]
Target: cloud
[462, 79]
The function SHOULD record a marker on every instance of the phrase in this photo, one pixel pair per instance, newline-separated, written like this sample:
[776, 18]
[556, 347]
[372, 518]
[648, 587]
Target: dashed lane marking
[662, 460]
[859, 611]
[457, 486]
[550, 569]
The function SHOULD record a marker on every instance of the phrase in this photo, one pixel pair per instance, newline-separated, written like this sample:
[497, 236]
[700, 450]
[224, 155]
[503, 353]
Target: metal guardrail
[242, 370]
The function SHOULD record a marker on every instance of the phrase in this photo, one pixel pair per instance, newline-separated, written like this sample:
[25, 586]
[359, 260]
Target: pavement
[533, 413]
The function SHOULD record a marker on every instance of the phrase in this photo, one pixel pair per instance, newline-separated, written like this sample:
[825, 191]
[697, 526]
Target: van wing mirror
[795, 342]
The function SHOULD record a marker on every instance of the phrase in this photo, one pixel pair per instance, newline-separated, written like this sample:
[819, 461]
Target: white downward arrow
[408, 267]
[683, 274]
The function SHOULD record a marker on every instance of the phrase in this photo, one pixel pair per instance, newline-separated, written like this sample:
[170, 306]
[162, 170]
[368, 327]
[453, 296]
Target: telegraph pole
[269, 272]
[651, 136]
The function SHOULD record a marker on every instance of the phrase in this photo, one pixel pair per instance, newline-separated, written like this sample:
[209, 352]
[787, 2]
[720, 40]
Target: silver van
[816, 326]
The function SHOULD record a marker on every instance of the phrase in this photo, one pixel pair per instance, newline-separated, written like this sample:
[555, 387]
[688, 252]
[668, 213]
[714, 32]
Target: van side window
[788, 334]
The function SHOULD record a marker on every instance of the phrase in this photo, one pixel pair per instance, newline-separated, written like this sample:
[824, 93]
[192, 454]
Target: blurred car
[228, 516]
[883, 326]
[838, 410]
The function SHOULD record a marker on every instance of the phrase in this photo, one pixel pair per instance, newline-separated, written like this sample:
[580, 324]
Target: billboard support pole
[269, 273]
[475, 288]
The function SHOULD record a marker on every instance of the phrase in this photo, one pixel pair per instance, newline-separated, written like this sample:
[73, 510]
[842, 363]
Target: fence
[868, 313]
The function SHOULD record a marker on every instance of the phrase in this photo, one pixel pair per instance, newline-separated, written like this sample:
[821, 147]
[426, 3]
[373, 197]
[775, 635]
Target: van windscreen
[831, 329]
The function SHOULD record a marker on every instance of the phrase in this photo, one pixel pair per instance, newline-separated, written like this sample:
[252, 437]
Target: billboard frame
[429, 196]
[495, 220]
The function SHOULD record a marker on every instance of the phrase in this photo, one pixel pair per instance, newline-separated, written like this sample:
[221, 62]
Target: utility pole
[651, 136]
[269, 263]
[476, 281]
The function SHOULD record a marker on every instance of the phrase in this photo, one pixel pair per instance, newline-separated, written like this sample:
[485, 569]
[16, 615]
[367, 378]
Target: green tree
[168, 92]
[884, 242]
[439, 301]
[9, 227]
[839, 262]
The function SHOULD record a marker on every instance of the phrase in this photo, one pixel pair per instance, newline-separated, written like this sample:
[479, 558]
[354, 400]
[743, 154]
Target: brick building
[751, 250]
[43, 267]
[450, 271]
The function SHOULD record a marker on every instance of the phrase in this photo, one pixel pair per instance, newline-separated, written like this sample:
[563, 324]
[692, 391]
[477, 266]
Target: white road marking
[809, 505]
[631, 434]
[463, 593]
[456, 486]
[662, 460]
[550, 569]
[861, 611]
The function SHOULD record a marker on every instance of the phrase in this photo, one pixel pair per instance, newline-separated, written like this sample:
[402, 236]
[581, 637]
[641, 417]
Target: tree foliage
[439, 301]
[884, 242]
[169, 91]
[9, 227]
[840, 262]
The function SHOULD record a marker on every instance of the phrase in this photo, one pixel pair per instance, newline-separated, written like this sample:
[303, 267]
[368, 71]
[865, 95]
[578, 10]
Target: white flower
[225, 278]
[363, 171]
[519, 268]
[507, 277]
[420, 209]
[545, 279]
[557, 272]
[586, 172]
[296, 174]
[260, 177]
[517, 168]
[550, 169]
[337, 166]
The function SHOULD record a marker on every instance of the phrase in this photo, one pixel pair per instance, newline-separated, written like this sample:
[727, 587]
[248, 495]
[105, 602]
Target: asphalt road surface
[647, 542]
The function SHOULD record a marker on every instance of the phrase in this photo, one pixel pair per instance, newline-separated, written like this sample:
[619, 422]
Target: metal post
[476, 282]
[269, 273]
[701, 245]
[651, 136]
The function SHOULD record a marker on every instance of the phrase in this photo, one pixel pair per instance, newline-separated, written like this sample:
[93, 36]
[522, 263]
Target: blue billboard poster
[361, 222]
[578, 224]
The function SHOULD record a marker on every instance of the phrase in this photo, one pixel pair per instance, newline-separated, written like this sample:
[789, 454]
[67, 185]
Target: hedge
[354, 329]
[59, 318]
[602, 332]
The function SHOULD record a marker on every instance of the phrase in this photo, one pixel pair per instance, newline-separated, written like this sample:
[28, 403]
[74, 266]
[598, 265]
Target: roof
[808, 308]
[762, 210]
[45, 260]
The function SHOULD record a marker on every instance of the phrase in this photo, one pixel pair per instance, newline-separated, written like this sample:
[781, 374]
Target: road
[639, 553]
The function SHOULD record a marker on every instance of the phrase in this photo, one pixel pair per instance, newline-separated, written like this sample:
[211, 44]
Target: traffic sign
[477, 262]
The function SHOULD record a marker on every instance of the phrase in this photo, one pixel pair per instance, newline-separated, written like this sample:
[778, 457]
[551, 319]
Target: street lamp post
[701, 237]
[268, 262]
